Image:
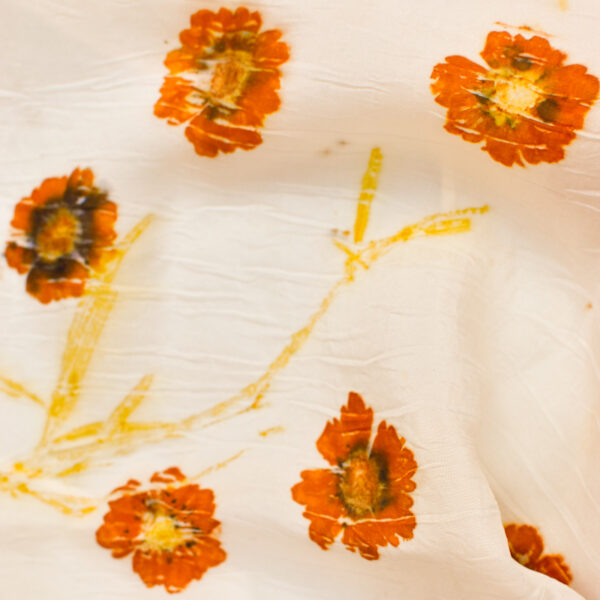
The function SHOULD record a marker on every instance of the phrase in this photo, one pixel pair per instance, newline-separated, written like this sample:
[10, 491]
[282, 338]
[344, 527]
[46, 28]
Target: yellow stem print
[367, 192]
[60, 454]
[271, 431]
[16, 390]
[88, 323]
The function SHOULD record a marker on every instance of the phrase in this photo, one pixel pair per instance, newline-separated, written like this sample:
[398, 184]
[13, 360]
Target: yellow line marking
[271, 431]
[368, 188]
[16, 390]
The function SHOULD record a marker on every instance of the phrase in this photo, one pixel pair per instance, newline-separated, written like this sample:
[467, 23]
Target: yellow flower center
[363, 484]
[516, 95]
[230, 77]
[58, 235]
[161, 533]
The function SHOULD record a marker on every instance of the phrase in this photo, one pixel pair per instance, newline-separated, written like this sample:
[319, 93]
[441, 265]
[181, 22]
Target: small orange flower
[525, 106]
[223, 81]
[526, 546]
[366, 493]
[63, 230]
[167, 527]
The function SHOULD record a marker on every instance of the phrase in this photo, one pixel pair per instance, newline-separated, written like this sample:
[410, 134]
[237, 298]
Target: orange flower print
[526, 546]
[365, 495]
[62, 232]
[526, 105]
[223, 81]
[167, 528]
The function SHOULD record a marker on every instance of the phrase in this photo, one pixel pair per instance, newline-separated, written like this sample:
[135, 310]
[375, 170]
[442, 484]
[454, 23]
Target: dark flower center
[58, 234]
[363, 484]
[548, 110]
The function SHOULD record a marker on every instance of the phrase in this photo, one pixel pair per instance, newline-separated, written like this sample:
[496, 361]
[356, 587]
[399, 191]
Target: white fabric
[481, 348]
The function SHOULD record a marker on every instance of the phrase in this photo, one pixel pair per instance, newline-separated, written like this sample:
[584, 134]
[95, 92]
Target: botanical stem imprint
[61, 453]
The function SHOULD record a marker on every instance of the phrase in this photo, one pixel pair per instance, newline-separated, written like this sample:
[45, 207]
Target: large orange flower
[223, 81]
[167, 527]
[366, 493]
[526, 105]
[526, 546]
[63, 230]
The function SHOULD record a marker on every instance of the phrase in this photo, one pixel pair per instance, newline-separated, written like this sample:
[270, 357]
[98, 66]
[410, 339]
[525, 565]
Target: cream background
[478, 348]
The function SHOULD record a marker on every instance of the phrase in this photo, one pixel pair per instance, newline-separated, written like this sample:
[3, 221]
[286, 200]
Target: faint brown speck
[340, 232]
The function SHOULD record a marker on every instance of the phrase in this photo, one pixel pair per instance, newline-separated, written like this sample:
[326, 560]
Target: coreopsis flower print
[223, 81]
[365, 494]
[526, 546]
[62, 233]
[526, 105]
[169, 528]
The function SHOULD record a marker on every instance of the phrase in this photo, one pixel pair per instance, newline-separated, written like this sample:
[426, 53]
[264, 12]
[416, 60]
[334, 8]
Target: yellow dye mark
[16, 390]
[132, 435]
[216, 467]
[72, 452]
[117, 422]
[76, 468]
[271, 431]
[368, 188]
[88, 323]
[439, 224]
[563, 4]
[128, 434]
[80, 432]
[69, 505]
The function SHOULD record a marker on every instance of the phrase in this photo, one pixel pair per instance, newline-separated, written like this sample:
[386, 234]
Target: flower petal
[400, 461]
[259, 100]
[19, 258]
[173, 103]
[46, 286]
[269, 52]
[170, 475]
[354, 428]
[22, 216]
[122, 524]
[525, 543]
[318, 491]
[501, 49]
[365, 536]
[210, 138]
[51, 188]
[554, 566]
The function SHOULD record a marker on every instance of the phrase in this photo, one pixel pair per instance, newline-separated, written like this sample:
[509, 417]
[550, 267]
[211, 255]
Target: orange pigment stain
[526, 547]
[223, 80]
[168, 529]
[526, 28]
[62, 235]
[364, 495]
[525, 106]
